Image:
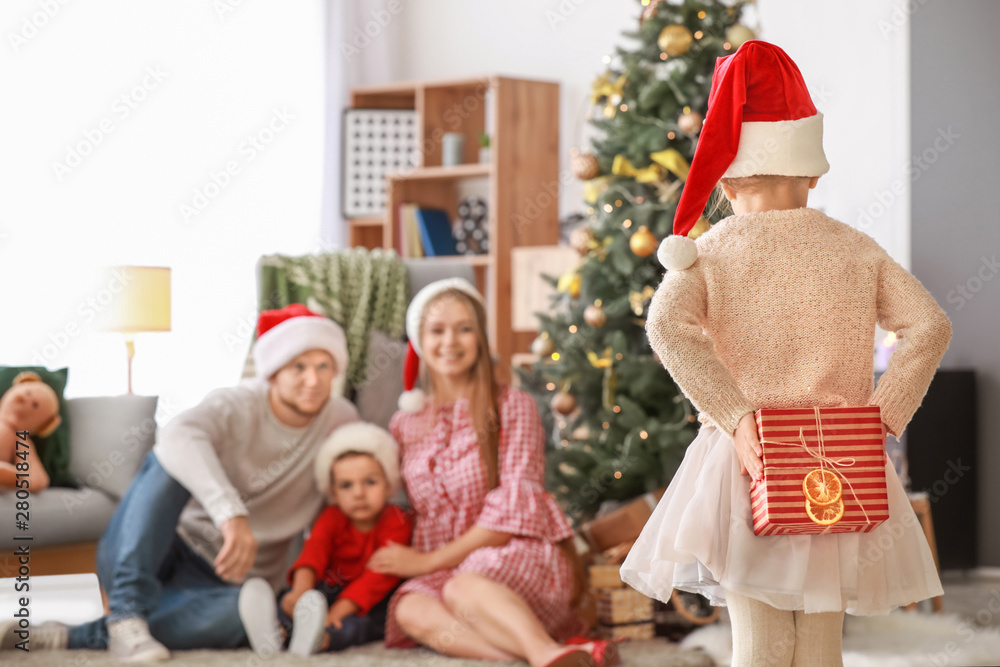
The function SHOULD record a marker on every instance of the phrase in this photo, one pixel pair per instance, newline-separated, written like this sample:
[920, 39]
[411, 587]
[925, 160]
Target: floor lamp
[141, 304]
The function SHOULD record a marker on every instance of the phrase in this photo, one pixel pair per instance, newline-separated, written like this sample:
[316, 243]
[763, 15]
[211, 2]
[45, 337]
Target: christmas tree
[618, 423]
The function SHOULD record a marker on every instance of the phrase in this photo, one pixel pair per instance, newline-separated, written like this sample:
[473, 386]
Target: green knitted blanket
[360, 289]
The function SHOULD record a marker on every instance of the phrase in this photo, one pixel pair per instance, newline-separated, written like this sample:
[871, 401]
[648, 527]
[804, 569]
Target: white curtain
[362, 48]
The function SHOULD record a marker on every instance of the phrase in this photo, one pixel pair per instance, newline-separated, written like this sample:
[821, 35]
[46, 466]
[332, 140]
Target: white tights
[765, 636]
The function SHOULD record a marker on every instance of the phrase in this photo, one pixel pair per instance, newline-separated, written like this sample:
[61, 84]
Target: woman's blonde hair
[484, 409]
[483, 403]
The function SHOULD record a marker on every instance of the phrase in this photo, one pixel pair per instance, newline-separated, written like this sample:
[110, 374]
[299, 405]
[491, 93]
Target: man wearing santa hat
[222, 496]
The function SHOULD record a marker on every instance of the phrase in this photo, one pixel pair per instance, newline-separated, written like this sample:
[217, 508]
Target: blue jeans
[149, 572]
[354, 631]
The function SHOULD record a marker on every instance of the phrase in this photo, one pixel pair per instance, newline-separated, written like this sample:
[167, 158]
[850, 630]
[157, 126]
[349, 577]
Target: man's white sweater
[237, 459]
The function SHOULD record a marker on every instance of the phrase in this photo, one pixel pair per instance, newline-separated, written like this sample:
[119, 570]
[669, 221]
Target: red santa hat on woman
[412, 398]
[363, 438]
[284, 334]
[760, 120]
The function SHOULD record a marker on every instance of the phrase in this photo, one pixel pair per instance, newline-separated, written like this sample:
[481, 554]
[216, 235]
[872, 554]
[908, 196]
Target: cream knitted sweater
[779, 311]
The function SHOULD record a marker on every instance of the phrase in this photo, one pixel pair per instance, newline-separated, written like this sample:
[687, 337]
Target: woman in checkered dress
[490, 576]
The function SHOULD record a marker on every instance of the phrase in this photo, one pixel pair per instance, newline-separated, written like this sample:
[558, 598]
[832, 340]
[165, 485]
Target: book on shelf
[409, 237]
[435, 232]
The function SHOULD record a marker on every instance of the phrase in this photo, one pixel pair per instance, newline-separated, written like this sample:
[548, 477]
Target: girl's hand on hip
[748, 447]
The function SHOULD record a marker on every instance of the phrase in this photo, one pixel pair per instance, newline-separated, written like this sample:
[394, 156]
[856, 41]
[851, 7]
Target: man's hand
[239, 548]
[748, 447]
[401, 561]
[340, 610]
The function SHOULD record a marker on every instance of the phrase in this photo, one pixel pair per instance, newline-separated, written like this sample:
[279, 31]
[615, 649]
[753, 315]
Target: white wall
[956, 239]
[225, 71]
[855, 59]
[856, 72]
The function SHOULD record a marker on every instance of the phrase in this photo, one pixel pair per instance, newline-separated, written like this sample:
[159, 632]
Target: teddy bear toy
[29, 405]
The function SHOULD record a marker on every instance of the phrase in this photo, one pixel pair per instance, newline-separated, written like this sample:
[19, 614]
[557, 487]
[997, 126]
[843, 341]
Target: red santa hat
[760, 120]
[358, 437]
[284, 334]
[412, 398]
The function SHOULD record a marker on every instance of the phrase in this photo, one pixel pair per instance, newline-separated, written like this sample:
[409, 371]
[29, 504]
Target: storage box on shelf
[521, 179]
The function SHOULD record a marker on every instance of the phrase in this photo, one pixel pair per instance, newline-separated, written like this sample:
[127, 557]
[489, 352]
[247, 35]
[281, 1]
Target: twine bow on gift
[820, 455]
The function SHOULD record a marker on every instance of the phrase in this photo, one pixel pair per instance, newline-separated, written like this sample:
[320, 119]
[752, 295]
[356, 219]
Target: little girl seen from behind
[776, 307]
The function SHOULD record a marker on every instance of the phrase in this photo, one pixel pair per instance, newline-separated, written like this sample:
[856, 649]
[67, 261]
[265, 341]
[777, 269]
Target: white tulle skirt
[700, 539]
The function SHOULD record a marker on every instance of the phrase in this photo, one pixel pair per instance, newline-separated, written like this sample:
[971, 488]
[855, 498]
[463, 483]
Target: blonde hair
[483, 403]
[483, 406]
[719, 204]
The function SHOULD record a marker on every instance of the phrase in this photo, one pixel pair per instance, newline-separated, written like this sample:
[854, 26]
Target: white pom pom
[677, 253]
[411, 401]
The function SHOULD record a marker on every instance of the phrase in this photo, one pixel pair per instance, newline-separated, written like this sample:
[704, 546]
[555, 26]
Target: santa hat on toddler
[760, 120]
[284, 334]
[412, 399]
[359, 437]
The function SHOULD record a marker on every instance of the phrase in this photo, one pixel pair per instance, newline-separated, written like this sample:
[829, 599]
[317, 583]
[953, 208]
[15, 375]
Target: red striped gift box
[795, 441]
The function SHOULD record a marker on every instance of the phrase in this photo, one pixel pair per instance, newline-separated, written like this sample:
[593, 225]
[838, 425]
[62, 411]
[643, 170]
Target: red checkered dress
[446, 484]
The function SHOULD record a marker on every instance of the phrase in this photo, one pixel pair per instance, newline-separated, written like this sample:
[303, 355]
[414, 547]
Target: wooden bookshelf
[522, 178]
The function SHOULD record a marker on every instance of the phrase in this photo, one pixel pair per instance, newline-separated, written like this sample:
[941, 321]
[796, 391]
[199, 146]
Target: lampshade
[140, 299]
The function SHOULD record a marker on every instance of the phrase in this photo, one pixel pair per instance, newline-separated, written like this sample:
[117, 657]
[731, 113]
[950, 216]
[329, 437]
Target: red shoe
[573, 656]
[604, 652]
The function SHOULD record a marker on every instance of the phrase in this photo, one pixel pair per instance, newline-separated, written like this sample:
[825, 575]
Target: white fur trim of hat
[287, 340]
[412, 399]
[358, 437]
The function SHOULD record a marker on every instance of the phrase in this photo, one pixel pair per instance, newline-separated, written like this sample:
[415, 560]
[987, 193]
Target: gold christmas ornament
[543, 345]
[582, 240]
[595, 316]
[738, 34]
[675, 40]
[643, 243]
[584, 166]
[563, 403]
[690, 122]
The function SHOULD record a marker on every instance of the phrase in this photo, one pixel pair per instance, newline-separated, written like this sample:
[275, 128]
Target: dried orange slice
[822, 487]
[825, 515]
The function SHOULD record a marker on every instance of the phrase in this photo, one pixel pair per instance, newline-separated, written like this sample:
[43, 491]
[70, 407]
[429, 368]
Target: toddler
[335, 601]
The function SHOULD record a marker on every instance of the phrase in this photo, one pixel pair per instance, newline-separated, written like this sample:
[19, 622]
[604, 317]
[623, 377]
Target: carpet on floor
[652, 653]
[899, 639]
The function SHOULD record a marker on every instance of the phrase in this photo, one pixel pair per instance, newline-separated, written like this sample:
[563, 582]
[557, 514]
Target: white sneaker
[129, 641]
[259, 614]
[49, 636]
[309, 618]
